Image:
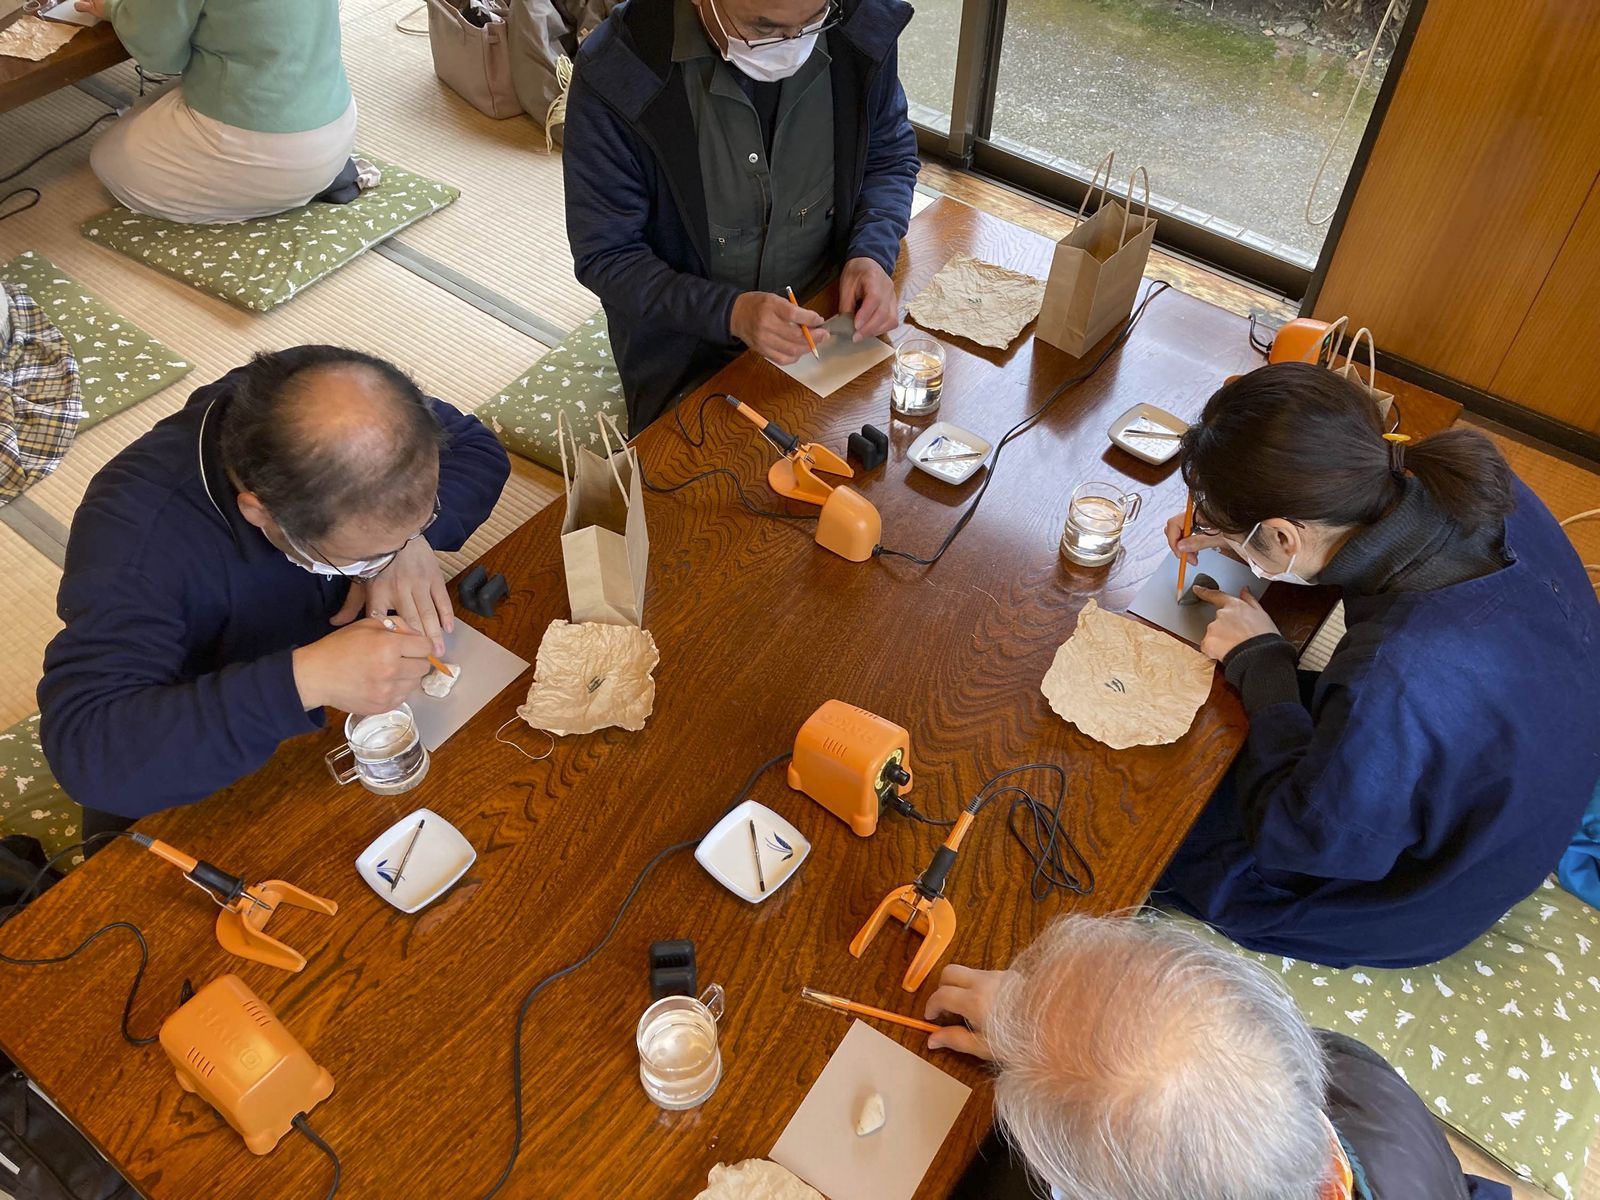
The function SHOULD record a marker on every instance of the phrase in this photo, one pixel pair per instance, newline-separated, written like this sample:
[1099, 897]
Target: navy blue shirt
[172, 678]
[1431, 779]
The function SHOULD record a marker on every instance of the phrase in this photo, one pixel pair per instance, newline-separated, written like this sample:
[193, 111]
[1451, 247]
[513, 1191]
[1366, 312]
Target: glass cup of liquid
[918, 377]
[680, 1063]
[1095, 518]
[383, 750]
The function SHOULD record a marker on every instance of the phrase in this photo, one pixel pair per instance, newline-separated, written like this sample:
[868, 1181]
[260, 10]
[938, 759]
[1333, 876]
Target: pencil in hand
[810, 341]
[1188, 530]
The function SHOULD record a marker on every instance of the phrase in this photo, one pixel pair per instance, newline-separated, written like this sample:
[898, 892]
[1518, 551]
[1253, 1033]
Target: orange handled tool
[1188, 530]
[922, 908]
[245, 907]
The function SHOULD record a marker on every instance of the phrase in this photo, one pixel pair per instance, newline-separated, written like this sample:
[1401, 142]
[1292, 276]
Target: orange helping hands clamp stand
[245, 907]
[849, 525]
[921, 908]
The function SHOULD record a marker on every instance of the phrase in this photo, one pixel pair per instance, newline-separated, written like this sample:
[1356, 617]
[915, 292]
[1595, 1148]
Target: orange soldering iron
[922, 907]
[245, 907]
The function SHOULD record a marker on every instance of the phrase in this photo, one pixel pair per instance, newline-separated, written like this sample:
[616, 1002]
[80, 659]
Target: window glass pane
[928, 61]
[1230, 114]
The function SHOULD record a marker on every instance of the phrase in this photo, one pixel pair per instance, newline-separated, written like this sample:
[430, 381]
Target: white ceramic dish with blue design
[729, 856]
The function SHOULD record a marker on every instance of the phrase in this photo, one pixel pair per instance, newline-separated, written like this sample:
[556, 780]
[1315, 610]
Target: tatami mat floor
[503, 246]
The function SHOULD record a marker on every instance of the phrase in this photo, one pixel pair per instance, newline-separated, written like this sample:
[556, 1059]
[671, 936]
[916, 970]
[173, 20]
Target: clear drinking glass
[918, 377]
[680, 1063]
[1095, 518]
[384, 751]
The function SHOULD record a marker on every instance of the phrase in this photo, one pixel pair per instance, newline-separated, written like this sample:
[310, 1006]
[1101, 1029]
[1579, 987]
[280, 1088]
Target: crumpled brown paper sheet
[591, 676]
[35, 39]
[1124, 683]
[756, 1179]
[979, 301]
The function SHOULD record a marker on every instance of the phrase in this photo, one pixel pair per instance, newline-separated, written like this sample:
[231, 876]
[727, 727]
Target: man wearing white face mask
[719, 151]
[228, 575]
[1393, 807]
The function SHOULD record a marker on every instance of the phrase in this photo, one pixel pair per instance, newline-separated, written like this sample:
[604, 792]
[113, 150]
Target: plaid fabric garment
[41, 401]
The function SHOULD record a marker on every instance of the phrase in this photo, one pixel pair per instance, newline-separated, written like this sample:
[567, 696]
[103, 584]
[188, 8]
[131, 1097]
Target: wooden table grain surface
[756, 627]
[88, 53]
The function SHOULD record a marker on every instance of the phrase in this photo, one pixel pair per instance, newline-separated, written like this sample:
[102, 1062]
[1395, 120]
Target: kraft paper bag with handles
[605, 546]
[1094, 277]
[1351, 370]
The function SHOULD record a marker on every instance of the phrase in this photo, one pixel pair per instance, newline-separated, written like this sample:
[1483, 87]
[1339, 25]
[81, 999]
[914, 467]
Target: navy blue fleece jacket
[172, 678]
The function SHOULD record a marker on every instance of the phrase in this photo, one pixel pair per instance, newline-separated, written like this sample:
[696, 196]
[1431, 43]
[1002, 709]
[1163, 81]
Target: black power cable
[61, 145]
[587, 957]
[138, 935]
[21, 191]
[1023, 426]
[304, 1126]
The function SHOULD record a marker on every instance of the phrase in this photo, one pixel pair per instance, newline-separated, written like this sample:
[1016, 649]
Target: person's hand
[1239, 618]
[412, 587]
[97, 7]
[968, 994]
[865, 290]
[362, 668]
[1189, 547]
[770, 326]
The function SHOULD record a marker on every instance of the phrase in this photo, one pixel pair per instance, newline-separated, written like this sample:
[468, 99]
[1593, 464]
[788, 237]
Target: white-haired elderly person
[1136, 1062]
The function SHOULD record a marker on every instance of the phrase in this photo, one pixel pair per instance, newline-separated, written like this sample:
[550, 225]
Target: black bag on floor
[53, 1160]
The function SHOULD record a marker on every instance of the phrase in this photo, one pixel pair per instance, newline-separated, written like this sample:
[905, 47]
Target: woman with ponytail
[1389, 810]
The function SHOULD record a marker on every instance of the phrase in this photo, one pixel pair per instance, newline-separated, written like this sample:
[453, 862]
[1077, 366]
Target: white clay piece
[871, 1117]
[438, 684]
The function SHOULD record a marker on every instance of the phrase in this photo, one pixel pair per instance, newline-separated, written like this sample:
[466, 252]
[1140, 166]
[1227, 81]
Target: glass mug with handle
[383, 750]
[680, 1063]
[1095, 519]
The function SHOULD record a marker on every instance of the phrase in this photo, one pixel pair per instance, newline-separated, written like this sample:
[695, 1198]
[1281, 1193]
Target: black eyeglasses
[374, 566]
[831, 17]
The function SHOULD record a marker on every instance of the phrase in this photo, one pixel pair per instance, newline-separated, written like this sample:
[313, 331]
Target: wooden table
[89, 53]
[756, 626]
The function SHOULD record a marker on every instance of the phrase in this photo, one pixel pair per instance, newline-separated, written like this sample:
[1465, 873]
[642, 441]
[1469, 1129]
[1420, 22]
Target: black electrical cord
[1021, 427]
[698, 443]
[1260, 346]
[10, 196]
[138, 935]
[304, 1126]
[587, 957]
[44, 154]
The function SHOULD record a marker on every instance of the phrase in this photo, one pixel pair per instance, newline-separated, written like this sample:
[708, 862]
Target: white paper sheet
[486, 668]
[1157, 601]
[67, 11]
[922, 1103]
[839, 360]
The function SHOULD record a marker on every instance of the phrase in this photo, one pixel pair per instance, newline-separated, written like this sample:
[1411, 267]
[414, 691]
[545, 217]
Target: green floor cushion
[118, 363]
[260, 264]
[1502, 1041]
[30, 801]
[578, 378]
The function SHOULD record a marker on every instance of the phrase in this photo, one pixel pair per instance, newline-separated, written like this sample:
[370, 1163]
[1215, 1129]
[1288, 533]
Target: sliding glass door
[1232, 106]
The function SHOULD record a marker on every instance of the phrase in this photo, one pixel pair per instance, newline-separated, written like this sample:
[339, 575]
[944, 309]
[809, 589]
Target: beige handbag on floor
[474, 60]
[1095, 274]
[605, 546]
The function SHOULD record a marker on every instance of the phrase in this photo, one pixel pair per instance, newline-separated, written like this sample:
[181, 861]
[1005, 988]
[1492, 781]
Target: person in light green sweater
[262, 122]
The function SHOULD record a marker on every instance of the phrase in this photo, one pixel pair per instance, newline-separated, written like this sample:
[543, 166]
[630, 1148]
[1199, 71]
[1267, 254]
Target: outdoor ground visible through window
[1230, 108]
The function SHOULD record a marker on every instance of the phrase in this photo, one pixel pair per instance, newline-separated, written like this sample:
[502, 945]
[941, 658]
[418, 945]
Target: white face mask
[364, 568]
[768, 63]
[1287, 575]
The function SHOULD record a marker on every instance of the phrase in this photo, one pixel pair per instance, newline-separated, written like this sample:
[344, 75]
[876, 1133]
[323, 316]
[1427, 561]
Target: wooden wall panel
[1554, 363]
[1486, 156]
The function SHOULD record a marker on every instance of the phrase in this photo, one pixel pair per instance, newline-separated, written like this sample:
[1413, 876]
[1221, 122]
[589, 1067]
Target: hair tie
[1397, 453]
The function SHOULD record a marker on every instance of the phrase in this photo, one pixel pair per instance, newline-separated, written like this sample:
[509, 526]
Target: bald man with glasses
[266, 552]
[718, 152]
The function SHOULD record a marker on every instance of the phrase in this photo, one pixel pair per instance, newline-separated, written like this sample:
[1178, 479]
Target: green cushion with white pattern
[259, 264]
[31, 803]
[578, 377]
[1502, 1040]
[118, 363]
